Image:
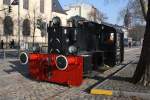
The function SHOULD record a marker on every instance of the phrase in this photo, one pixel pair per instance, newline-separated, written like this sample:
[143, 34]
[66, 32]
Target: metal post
[34, 29]
[18, 24]
[4, 55]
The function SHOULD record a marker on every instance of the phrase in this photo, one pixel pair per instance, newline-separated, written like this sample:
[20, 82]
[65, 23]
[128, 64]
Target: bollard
[4, 55]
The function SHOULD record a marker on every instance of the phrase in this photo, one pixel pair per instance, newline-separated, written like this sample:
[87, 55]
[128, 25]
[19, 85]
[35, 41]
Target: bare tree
[133, 19]
[34, 24]
[142, 72]
[137, 32]
[134, 12]
[96, 15]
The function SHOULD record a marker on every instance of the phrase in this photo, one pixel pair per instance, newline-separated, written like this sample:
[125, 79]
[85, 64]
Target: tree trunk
[142, 72]
[143, 7]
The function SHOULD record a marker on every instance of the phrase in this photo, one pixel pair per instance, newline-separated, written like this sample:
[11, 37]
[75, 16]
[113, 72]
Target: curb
[101, 92]
[143, 95]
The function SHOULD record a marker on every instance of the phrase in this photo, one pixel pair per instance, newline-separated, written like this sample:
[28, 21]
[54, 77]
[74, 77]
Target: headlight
[72, 49]
[61, 62]
[23, 58]
[36, 49]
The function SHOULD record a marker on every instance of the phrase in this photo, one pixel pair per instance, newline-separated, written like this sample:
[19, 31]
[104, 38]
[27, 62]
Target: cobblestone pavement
[120, 85]
[15, 84]
[120, 81]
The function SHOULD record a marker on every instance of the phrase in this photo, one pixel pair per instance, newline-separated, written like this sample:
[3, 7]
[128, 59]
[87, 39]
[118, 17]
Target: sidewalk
[119, 85]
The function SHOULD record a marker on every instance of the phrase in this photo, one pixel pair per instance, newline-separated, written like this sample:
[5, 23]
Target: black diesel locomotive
[98, 43]
[76, 50]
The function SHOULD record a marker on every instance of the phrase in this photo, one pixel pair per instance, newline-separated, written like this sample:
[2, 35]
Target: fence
[9, 54]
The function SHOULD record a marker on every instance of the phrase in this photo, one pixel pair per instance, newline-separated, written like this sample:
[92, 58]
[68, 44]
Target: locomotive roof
[108, 25]
[115, 27]
[77, 18]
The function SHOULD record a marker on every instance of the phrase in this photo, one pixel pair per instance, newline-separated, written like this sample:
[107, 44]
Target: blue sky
[111, 9]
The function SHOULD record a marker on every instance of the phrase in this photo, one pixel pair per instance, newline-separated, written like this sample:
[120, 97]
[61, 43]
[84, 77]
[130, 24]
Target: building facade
[84, 10]
[31, 12]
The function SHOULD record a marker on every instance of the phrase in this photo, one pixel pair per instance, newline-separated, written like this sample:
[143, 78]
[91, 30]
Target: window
[26, 27]
[112, 36]
[26, 4]
[42, 6]
[109, 38]
[7, 2]
[8, 25]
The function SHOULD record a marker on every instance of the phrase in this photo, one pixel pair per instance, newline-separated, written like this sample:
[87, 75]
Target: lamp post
[18, 24]
[17, 2]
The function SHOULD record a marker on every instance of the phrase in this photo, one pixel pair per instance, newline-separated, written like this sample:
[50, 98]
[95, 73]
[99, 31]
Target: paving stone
[16, 84]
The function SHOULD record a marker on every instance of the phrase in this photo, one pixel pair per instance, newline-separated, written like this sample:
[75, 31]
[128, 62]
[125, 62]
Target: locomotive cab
[112, 44]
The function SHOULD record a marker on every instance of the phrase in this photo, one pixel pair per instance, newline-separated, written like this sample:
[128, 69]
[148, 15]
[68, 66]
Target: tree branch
[144, 9]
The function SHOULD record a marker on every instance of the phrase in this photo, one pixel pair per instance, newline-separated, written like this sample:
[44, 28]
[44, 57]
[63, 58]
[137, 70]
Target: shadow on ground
[118, 78]
[24, 71]
[17, 67]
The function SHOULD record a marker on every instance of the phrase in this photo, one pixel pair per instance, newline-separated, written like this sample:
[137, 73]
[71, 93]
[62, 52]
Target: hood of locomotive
[61, 40]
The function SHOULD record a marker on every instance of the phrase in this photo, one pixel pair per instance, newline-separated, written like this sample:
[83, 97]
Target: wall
[82, 10]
